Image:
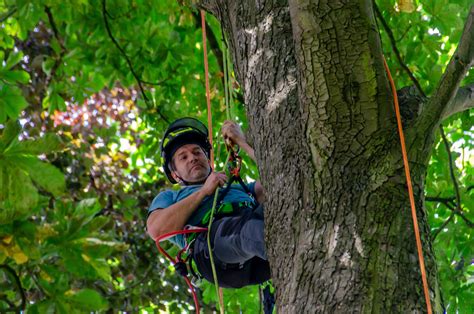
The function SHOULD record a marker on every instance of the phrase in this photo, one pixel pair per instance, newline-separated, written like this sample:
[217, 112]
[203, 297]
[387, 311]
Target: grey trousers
[239, 250]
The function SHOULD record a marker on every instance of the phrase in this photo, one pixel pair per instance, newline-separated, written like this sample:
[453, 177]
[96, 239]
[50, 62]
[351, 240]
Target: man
[237, 236]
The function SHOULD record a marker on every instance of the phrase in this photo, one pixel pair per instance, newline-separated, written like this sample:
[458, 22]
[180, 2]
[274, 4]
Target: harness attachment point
[181, 268]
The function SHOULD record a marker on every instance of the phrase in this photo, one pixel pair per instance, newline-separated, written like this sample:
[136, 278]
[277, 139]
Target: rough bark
[338, 223]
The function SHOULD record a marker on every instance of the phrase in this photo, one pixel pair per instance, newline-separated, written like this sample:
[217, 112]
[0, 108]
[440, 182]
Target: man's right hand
[214, 180]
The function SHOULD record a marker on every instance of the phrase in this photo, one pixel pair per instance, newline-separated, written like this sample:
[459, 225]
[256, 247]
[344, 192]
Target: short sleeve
[162, 200]
[251, 187]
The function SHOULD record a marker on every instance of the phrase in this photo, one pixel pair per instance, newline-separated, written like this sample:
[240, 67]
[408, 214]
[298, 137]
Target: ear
[175, 177]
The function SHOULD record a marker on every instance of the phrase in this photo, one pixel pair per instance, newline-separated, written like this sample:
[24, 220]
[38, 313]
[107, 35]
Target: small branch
[435, 234]
[404, 33]
[466, 220]
[393, 43]
[451, 169]
[12, 272]
[10, 13]
[105, 15]
[448, 86]
[439, 199]
[59, 59]
[54, 27]
[463, 100]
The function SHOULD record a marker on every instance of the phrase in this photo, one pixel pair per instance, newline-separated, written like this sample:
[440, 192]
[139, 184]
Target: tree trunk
[338, 224]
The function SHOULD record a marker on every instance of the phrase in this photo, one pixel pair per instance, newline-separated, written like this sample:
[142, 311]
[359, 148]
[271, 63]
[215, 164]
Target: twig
[393, 43]
[12, 272]
[439, 199]
[466, 220]
[129, 62]
[435, 234]
[53, 26]
[59, 59]
[4, 18]
[451, 168]
[404, 33]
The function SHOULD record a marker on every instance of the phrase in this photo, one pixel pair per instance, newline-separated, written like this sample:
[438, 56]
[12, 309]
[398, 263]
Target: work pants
[238, 250]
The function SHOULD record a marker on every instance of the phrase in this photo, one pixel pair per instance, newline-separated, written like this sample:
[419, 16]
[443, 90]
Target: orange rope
[410, 189]
[208, 91]
[220, 294]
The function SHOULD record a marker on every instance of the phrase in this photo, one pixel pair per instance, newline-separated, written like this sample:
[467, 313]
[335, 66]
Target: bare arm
[174, 217]
[259, 192]
[232, 132]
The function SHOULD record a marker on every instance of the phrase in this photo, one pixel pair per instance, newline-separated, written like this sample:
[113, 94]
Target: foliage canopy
[86, 90]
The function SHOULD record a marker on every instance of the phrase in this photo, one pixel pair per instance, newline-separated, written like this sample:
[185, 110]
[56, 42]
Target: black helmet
[181, 132]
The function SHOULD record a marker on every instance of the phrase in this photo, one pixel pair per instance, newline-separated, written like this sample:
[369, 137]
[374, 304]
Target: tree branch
[463, 100]
[105, 15]
[59, 59]
[435, 234]
[448, 86]
[393, 43]
[445, 200]
[13, 274]
[451, 169]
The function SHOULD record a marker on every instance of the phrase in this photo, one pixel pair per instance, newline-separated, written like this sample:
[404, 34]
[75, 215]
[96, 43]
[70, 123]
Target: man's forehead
[187, 147]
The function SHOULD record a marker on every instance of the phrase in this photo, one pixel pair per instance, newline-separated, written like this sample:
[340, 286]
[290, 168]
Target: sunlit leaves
[454, 244]
[87, 300]
[20, 167]
[11, 102]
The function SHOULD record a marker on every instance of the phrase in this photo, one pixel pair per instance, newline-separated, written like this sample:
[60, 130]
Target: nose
[193, 158]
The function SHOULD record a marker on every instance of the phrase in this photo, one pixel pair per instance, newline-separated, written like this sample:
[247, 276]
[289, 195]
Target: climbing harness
[410, 189]
[194, 130]
[179, 263]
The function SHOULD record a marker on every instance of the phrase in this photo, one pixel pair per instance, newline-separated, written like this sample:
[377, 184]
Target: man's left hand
[232, 132]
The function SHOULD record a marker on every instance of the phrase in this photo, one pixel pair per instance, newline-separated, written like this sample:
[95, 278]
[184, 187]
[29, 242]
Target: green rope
[229, 85]
[213, 266]
[226, 80]
[228, 99]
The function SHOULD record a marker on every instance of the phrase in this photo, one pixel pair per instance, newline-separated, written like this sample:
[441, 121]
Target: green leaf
[15, 76]
[54, 101]
[45, 175]
[87, 207]
[18, 195]
[44, 145]
[13, 59]
[47, 66]
[101, 267]
[87, 299]
[12, 102]
[10, 132]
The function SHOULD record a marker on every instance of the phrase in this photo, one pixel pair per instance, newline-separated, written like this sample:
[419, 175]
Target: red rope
[178, 259]
[410, 189]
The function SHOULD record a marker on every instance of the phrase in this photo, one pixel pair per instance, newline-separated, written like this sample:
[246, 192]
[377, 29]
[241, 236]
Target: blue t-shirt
[170, 197]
